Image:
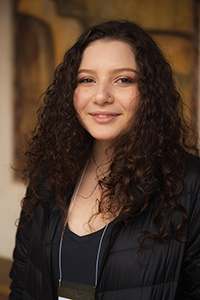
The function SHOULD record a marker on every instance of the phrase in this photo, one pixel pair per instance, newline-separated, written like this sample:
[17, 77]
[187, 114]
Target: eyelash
[85, 80]
[127, 80]
[122, 79]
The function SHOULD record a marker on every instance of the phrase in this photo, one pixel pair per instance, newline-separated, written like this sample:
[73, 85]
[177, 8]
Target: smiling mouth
[104, 118]
[105, 114]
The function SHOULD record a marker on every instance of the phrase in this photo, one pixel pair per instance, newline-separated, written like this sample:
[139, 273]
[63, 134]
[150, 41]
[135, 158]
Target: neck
[101, 152]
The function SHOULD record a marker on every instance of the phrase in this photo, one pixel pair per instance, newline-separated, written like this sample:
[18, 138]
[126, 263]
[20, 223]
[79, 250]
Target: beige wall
[10, 191]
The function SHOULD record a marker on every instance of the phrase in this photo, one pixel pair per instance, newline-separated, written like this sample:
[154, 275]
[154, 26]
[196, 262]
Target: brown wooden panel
[34, 66]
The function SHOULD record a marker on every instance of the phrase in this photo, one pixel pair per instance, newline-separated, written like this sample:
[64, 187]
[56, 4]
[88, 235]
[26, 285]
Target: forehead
[108, 52]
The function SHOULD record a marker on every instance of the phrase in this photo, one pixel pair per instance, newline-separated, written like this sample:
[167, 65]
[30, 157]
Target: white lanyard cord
[61, 240]
[97, 260]
[98, 255]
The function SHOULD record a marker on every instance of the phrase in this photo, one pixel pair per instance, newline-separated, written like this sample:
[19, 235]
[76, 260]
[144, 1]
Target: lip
[104, 117]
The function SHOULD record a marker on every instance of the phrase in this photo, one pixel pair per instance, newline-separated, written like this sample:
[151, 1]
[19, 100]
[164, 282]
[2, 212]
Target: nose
[102, 95]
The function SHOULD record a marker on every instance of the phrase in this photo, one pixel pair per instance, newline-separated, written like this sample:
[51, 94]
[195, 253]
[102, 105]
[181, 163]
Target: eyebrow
[112, 72]
[124, 70]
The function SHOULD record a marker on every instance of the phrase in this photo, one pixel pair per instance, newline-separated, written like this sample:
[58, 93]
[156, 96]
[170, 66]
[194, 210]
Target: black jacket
[165, 271]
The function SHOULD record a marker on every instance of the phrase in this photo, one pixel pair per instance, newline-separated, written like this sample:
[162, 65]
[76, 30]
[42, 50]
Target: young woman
[112, 206]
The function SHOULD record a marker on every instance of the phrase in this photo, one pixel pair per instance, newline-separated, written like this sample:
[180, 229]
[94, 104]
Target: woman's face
[106, 97]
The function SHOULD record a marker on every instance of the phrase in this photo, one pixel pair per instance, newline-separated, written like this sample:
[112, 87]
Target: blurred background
[34, 35]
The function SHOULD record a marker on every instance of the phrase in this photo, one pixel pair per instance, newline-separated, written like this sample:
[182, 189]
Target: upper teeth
[103, 116]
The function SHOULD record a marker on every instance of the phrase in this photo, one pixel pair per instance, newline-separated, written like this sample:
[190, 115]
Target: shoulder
[192, 173]
[192, 163]
[189, 197]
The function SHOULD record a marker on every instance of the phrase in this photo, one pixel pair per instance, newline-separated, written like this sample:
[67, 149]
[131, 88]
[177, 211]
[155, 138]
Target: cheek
[132, 109]
[131, 103]
[77, 102]
[134, 105]
[79, 105]
[80, 101]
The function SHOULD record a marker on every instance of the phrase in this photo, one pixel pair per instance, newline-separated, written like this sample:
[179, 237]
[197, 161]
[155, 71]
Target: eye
[85, 80]
[125, 80]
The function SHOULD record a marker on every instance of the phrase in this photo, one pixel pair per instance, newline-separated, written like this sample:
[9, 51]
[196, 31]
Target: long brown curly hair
[148, 164]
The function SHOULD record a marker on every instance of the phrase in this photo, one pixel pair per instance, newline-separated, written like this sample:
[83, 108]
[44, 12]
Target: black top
[79, 255]
[164, 271]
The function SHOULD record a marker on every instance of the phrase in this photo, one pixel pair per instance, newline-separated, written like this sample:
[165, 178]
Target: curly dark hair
[148, 162]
